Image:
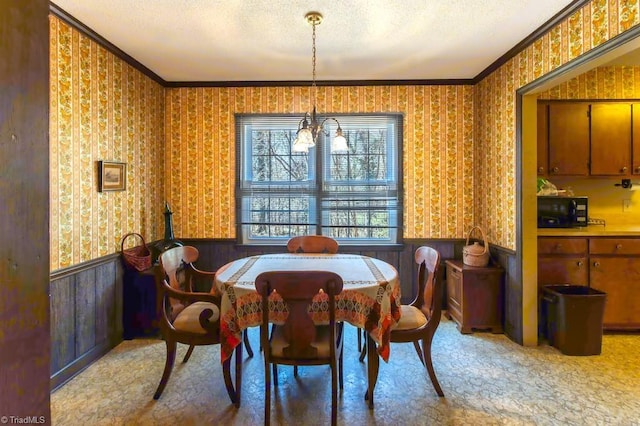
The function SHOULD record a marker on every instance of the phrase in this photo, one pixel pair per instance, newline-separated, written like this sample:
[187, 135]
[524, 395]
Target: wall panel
[438, 150]
[101, 108]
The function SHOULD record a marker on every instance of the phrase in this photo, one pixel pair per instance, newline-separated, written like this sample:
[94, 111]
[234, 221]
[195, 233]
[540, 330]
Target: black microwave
[562, 212]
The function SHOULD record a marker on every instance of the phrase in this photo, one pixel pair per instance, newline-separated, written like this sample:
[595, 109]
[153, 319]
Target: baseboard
[71, 370]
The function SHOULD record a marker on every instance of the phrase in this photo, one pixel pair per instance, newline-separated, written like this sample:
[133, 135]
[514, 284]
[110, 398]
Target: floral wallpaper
[101, 108]
[495, 103]
[438, 150]
[459, 141]
[606, 82]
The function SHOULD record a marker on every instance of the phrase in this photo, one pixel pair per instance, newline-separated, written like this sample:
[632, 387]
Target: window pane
[355, 194]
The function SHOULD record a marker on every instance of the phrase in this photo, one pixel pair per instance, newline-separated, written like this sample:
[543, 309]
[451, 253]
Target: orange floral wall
[459, 141]
[495, 102]
[606, 82]
[438, 150]
[101, 108]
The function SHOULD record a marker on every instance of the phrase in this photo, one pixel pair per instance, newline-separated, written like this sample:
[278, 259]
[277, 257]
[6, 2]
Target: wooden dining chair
[312, 244]
[183, 275]
[316, 244]
[188, 317]
[420, 319]
[299, 341]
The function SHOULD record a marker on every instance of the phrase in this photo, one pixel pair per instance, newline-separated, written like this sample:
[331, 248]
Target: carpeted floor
[486, 378]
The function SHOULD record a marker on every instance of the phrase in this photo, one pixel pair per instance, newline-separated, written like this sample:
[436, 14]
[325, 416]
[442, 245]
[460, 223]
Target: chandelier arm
[302, 120]
[321, 125]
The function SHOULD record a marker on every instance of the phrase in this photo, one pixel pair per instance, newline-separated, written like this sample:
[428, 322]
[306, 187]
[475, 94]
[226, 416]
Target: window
[354, 197]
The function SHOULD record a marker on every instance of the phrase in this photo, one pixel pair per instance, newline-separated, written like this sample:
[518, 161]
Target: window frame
[318, 169]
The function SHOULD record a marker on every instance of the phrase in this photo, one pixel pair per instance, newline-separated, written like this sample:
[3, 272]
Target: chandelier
[309, 128]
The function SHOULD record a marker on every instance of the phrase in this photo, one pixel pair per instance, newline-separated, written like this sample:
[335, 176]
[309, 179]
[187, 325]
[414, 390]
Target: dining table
[370, 299]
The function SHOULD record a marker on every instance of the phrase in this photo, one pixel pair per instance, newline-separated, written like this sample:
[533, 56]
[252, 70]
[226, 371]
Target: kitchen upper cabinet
[569, 139]
[543, 138]
[610, 139]
[635, 164]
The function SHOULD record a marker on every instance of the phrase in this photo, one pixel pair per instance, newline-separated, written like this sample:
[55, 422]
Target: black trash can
[574, 318]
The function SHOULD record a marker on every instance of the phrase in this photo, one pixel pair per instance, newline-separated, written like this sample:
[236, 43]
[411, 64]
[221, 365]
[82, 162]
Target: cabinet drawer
[562, 246]
[563, 270]
[614, 246]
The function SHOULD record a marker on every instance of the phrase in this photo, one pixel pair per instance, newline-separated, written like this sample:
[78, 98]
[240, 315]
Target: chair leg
[426, 348]
[341, 370]
[373, 365]
[245, 338]
[188, 354]
[359, 339]
[168, 366]
[267, 391]
[418, 351]
[295, 371]
[363, 351]
[234, 393]
[238, 374]
[275, 374]
[334, 394]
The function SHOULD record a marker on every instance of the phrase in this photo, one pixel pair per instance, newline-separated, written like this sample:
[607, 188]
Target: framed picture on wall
[112, 176]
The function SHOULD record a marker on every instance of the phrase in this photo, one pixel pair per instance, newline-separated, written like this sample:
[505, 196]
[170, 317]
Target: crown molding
[526, 42]
[75, 23]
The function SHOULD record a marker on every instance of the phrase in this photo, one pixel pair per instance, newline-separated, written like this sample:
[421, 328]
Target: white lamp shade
[339, 144]
[303, 139]
[299, 147]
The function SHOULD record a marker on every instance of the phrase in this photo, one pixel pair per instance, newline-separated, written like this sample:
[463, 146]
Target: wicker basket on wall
[476, 254]
[138, 257]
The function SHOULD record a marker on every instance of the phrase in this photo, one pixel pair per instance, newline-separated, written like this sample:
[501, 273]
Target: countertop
[592, 231]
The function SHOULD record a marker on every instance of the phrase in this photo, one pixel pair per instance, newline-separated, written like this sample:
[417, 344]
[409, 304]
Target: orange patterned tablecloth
[370, 298]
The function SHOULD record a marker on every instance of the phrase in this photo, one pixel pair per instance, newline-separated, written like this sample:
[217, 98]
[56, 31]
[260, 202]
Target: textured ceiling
[255, 40]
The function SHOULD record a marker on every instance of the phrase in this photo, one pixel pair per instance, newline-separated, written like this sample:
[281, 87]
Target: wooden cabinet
[543, 139]
[614, 267]
[610, 139]
[635, 140]
[611, 265]
[578, 138]
[569, 139]
[475, 296]
[563, 261]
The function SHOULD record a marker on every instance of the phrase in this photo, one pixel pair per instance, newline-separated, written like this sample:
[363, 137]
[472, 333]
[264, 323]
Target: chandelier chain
[313, 63]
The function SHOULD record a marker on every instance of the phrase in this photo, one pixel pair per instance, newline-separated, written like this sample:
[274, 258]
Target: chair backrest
[173, 260]
[429, 297]
[312, 244]
[298, 289]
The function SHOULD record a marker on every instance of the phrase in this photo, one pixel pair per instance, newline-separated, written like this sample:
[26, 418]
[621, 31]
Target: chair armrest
[189, 297]
[199, 273]
[196, 278]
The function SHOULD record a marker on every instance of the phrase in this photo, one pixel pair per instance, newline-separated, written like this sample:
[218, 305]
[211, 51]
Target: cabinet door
[610, 139]
[562, 270]
[569, 139]
[619, 278]
[543, 139]
[454, 293]
[636, 140]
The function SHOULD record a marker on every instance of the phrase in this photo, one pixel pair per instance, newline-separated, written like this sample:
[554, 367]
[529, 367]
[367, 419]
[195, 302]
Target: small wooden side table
[139, 315]
[475, 296]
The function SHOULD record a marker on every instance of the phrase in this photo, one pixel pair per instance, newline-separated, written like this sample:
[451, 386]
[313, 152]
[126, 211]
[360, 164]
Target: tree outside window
[353, 197]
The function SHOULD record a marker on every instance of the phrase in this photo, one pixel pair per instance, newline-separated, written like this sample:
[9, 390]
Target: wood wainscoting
[86, 315]
[87, 299]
